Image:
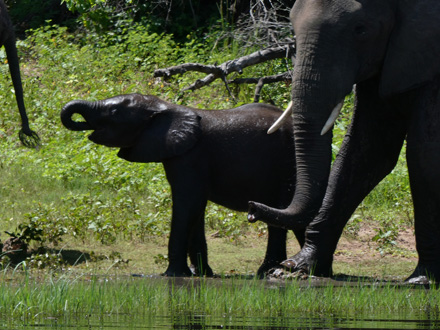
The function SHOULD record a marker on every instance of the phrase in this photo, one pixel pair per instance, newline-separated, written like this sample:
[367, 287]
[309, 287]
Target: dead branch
[237, 65]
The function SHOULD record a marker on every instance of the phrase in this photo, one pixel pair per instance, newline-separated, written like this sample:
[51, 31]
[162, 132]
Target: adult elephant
[224, 156]
[7, 39]
[390, 49]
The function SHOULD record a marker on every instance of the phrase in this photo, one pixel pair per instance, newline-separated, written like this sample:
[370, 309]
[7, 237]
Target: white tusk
[331, 120]
[282, 118]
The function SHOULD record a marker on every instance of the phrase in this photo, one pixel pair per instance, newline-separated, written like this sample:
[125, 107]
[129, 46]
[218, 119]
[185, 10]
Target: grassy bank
[31, 300]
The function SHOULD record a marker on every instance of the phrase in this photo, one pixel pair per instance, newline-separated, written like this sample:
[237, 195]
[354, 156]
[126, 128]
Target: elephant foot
[308, 262]
[178, 272]
[286, 218]
[202, 271]
[425, 274]
[267, 268]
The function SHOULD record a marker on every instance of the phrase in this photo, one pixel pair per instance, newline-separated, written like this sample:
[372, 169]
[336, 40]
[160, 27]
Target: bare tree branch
[237, 65]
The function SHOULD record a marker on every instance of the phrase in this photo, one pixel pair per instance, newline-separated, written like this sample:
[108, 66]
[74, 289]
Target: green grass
[34, 300]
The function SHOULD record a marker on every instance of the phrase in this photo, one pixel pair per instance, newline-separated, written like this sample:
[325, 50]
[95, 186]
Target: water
[200, 321]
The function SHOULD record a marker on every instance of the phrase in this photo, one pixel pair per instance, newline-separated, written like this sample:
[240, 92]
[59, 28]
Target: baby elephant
[224, 156]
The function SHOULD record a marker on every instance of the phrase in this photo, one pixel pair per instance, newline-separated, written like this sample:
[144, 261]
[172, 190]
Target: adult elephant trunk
[312, 107]
[85, 109]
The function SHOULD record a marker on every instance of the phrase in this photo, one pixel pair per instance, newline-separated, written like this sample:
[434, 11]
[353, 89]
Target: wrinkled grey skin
[224, 156]
[7, 39]
[390, 49]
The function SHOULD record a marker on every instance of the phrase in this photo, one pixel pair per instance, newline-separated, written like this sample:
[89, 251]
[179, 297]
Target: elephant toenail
[289, 264]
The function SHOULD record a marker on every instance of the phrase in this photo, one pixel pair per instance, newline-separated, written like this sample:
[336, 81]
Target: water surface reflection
[201, 321]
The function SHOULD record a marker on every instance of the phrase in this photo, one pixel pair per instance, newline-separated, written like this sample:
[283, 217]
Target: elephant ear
[414, 47]
[170, 133]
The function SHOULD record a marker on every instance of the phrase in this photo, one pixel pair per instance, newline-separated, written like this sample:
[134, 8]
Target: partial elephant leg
[198, 249]
[423, 156]
[300, 235]
[369, 152]
[189, 204]
[275, 251]
[186, 211]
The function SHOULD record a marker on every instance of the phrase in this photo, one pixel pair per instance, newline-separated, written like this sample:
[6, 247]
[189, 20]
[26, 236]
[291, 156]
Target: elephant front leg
[369, 152]
[423, 157]
[186, 213]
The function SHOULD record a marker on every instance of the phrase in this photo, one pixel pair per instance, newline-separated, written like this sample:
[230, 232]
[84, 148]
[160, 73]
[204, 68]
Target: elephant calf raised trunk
[82, 108]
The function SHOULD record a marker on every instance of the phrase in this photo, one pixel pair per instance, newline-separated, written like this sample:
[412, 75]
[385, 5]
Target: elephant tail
[28, 137]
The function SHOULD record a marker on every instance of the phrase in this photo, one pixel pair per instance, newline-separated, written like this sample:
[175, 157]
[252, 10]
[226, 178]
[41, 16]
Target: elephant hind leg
[423, 157]
[275, 251]
[187, 234]
[198, 249]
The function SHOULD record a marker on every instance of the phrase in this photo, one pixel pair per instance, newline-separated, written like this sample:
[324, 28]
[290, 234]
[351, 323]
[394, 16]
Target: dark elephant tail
[28, 137]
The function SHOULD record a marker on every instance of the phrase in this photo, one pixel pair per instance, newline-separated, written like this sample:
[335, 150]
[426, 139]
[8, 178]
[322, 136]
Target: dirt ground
[362, 254]
[356, 255]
